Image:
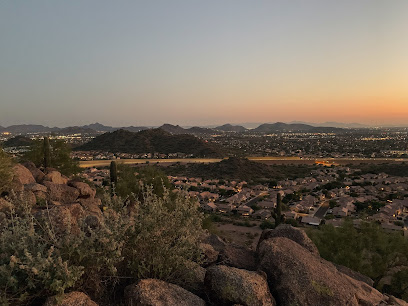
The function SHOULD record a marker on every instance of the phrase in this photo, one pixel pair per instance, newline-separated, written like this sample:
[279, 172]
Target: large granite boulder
[55, 177]
[61, 193]
[216, 242]
[296, 276]
[85, 191]
[37, 173]
[153, 292]
[228, 286]
[288, 231]
[238, 257]
[40, 191]
[74, 298]
[192, 278]
[22, 175]
[63, 218]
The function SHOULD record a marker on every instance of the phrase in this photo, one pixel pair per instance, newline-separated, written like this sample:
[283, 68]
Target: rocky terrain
[285, 269]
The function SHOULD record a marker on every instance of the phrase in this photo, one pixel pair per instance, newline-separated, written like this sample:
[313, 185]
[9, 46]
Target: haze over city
[203, 63]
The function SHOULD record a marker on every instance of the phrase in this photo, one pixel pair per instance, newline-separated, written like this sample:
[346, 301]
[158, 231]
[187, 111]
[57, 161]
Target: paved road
[321, 212]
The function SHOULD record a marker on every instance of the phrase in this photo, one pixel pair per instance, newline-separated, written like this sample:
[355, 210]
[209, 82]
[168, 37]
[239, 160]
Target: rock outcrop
[228, 285]
[295, 234]
[153, 292]
[298, 277]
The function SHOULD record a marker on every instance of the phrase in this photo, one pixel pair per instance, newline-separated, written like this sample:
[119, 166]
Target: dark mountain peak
[174, 129]
[199, 130]
[149, 141]
[231, 128]
[98, 127]
[280, 127]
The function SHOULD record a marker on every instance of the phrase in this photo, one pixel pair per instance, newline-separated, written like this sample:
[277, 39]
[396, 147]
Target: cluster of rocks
[285, 269]
[67, 200]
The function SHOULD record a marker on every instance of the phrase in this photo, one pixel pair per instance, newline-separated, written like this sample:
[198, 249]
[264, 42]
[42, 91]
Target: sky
[191, 62]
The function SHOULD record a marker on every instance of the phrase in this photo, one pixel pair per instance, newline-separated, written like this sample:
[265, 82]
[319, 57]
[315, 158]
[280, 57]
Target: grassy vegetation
[369, 250]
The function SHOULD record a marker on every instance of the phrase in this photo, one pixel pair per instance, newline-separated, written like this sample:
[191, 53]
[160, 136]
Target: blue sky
[203, 62]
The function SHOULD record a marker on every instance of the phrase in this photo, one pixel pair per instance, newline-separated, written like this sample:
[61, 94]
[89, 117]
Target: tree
[129, 180]
[59, 158]
[6, 171]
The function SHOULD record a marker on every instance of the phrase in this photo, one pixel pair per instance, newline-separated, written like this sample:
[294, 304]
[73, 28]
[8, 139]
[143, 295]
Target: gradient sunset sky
[203, 62]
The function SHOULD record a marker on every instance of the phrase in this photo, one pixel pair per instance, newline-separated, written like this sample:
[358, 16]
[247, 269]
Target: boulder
[61, 193]
[298, 277]
[63, 218]
[216, 242]
[208, 253]
[85, 191]
[22, 175]
[5, 206]
[74, 298]
[227, 285]
[238, 257]
[55, 177]
[91, 205]
[153, 292]
[192, 278]
[295, 234]
[37, 173]
[40, 191]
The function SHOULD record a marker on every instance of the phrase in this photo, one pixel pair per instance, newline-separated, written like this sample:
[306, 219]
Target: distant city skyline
[122, 63]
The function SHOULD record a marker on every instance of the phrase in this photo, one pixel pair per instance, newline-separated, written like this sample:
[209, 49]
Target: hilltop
[241, 169]
[231, 128]
[280, 127]
[18, 141]
[149, 141]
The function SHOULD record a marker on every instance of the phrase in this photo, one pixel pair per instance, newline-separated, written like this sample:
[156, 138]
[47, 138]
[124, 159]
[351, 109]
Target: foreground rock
[22, 175]
[298, 277]
[238, 257]
[74, 298]
[153, 292]
[228, 286]
[295, 234]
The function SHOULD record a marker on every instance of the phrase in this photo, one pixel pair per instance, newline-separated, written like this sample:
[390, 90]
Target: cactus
[278, 210]
[113, 176]
[47, 153]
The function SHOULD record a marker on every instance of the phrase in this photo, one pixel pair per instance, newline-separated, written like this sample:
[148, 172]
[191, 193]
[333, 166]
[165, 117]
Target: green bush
[153, 238]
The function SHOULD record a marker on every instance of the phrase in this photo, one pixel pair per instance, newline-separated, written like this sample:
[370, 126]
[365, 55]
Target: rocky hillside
[285, 269]
[149, 141]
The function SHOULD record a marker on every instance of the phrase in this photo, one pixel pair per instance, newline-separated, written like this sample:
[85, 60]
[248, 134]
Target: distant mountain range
[150, 141]
[98, 128]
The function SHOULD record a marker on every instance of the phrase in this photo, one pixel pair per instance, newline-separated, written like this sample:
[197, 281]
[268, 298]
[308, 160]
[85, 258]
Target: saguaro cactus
[47, 153]
[113, 176]
[278, 210]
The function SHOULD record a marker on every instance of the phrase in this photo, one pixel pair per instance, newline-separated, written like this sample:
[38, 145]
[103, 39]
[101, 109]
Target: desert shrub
[6, 173]
[30, 266]
[164, 235]
[154, 238]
